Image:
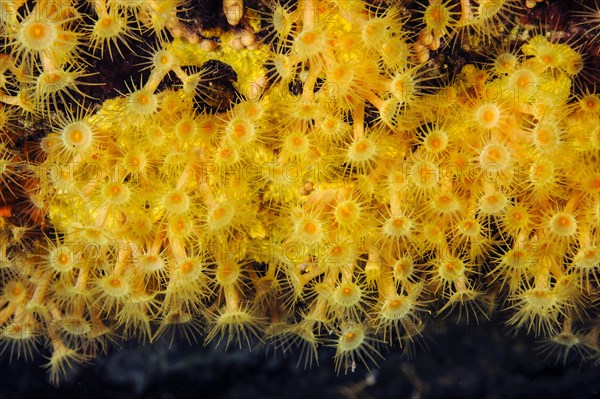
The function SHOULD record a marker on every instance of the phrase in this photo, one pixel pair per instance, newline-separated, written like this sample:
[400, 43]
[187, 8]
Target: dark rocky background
[450, 361]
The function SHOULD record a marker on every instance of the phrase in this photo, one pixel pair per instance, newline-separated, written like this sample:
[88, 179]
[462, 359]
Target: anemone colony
[342, 193]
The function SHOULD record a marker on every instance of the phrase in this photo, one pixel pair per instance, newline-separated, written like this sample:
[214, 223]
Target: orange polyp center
[401, 267]
[589, 253]
[543, 136]
[76, 136]
[53, 78]
[347, 290]
[63, 258]
[518, 254]
[348, 43]
[309, 37]
[398, 179]
[305, 109]
[489, 116]
[106, 22]
[177, 198]
[170, 105]
[157, 133]
[494, 155]
[398, 223]
[218, 212]
[225, 153]
[37, 31]
[361, 147]
[310, 227]
[564, 221]
[350, 336]
[16, 291]
[297, 141]
[388, 49]
[394, 304]
[115, 190]
[374, 30]
[180, 225]
[115, 282]
[522, 82]
[226, 270]
[399, 85]
[517, 216]
[239, 131]
[186, 267]
[339, 73]
[186, 127]
[540, 295]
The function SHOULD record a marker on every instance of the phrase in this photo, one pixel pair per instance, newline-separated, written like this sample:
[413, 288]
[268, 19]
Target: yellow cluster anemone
[343, 195]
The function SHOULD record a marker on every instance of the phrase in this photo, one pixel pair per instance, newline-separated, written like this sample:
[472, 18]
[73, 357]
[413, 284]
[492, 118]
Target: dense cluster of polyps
[344, 201]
